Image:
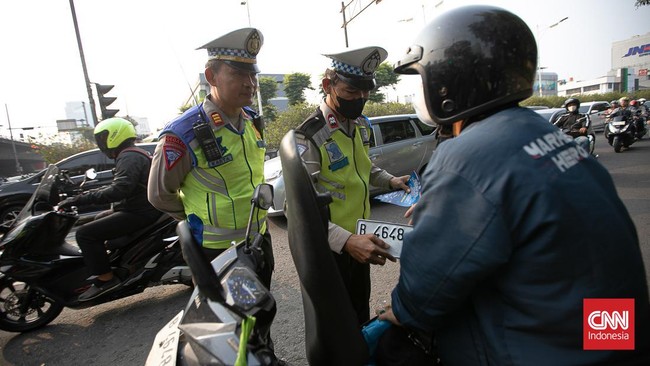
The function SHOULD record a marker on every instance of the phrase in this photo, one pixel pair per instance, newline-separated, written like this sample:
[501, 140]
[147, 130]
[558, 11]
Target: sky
[147, 48]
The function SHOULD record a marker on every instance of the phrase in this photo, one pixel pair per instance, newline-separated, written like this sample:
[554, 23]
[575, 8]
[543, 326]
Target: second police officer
[333, 143]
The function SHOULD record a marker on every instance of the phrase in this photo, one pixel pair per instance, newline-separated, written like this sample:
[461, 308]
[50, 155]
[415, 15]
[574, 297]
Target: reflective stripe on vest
[220, 196]
[219, 234]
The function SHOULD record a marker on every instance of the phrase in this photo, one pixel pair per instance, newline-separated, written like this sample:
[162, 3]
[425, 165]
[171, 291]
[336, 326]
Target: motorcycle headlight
[243, 289]
[611, 128]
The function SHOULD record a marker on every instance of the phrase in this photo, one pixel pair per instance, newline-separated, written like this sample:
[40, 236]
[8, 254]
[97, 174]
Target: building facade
[630, 65]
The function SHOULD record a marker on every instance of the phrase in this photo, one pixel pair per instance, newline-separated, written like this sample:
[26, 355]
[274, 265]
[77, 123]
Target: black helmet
[472, 59]
[575, 101]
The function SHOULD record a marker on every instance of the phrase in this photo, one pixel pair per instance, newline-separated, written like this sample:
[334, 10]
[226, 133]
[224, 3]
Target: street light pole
[539, 83]
[19, 168]
[539, 57]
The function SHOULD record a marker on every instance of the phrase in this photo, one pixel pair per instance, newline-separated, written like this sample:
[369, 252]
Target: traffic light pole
[91, 100]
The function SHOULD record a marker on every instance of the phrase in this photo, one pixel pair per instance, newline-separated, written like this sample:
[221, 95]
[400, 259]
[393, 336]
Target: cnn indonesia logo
[608, 324]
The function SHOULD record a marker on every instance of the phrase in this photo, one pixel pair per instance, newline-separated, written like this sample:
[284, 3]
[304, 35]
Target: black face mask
[350, 109]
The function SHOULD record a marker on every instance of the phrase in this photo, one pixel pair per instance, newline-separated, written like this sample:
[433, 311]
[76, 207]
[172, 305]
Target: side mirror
[263, 196]
[91, 174]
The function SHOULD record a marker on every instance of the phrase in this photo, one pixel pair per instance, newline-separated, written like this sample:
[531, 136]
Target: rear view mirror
[263, 196]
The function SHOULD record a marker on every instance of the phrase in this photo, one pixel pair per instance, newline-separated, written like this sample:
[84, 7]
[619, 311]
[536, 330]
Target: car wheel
[8, 215]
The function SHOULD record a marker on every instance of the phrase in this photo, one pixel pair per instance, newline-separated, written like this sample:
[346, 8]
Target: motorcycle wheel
[618, 144]
[23, 309]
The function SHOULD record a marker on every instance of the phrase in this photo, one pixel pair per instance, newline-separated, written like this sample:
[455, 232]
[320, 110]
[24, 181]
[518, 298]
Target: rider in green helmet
[130, 210]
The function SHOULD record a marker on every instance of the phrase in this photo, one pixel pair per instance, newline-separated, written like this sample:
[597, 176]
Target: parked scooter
[42, 270]
[215, 327]
[620, 131]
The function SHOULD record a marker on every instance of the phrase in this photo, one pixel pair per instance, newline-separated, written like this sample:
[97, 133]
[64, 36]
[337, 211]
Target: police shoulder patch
[173, 150]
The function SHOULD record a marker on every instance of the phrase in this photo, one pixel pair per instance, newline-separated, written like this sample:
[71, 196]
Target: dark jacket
[503, 251]
[128, 191]
[572, 122]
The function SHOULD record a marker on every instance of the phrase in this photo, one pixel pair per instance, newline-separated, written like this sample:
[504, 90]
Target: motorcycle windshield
[42, 193]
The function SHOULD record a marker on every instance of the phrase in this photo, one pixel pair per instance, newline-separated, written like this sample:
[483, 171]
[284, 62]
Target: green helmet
[113, 134]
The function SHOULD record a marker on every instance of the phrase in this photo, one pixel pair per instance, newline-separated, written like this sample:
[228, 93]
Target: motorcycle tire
[24, 309]
[618, 144]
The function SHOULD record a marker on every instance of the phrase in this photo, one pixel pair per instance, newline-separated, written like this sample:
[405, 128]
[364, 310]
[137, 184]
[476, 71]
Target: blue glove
[372, 332]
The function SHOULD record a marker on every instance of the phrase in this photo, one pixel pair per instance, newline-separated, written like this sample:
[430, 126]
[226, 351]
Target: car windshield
[584, 108]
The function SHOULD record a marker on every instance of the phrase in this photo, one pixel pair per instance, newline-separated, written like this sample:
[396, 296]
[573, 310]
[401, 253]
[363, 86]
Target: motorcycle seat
[68, 250]
[125, 240]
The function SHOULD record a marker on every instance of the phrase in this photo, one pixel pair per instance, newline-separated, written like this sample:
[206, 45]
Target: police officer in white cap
[334, 143]
[210, 159]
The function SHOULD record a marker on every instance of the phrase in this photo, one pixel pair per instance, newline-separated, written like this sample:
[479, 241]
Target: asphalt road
[121, 332]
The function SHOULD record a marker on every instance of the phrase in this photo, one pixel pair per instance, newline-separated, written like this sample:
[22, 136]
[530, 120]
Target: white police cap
[357, 67]
[238, 48]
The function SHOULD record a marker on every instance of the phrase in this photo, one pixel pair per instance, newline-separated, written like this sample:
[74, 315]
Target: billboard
[632, 52]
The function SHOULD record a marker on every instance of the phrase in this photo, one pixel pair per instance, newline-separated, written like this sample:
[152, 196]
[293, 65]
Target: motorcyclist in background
[638, 118]
[130, 211]
[574, 123]
[613, 105]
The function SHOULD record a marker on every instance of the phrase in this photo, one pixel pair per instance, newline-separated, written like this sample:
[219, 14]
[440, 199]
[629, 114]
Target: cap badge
[253, 43]
[371, 62]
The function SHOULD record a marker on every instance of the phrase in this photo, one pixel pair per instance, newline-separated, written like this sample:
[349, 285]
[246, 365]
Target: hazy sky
[147, 48]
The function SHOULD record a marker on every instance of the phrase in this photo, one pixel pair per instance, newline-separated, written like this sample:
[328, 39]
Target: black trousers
[356, 277]
[91, 237]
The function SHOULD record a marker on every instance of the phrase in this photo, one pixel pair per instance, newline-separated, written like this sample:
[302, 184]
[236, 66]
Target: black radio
[208, 142]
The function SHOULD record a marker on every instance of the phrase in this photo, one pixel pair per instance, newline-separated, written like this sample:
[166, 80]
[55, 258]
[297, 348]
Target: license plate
[391, 233]
[618, 123]
[165, 346]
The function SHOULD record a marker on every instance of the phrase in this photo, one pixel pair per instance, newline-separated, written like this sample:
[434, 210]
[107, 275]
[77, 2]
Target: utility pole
[91, 100]
[19, 168]
[346, 22]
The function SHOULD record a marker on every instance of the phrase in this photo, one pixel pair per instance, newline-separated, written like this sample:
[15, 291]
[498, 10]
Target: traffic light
[105, 101]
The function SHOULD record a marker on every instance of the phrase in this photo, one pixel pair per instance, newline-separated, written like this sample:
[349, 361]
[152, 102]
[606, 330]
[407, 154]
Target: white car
[400, 144]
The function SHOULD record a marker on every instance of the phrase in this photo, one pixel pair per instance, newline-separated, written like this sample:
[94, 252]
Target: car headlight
[272, 169]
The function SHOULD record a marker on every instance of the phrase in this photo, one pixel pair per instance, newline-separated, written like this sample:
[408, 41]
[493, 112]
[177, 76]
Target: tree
[268, 89]
[295, 85]
[641, 3]
[291, 118]
[385, 77]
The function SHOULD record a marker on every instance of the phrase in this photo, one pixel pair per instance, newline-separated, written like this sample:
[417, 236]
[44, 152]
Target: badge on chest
[335, 155]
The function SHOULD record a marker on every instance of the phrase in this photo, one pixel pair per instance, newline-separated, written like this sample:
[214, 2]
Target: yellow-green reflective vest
[221, 196]
[345, 174]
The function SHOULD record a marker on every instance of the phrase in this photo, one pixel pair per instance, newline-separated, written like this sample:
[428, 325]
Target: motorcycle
[42, 270]
[215, 326]
[620, 131]
[573, 131]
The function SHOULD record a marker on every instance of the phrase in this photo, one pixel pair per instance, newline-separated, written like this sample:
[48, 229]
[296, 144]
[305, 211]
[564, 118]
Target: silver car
[596, 112]
[400, 144]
